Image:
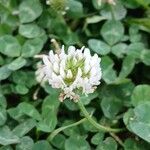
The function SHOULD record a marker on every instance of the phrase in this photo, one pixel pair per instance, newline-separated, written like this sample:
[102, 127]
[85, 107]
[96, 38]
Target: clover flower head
[112, 2]
[58, 5]
[74, 72]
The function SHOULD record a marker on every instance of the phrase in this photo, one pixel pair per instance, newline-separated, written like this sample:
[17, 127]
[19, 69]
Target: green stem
[55, 132]
[117, 139]
[93, 122]
[112, 12]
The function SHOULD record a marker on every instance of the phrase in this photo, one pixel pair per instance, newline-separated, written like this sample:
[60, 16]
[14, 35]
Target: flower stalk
[93, 122]
[55, 132]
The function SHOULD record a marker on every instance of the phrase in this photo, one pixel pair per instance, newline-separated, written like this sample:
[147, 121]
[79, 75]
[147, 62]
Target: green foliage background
[119, 34]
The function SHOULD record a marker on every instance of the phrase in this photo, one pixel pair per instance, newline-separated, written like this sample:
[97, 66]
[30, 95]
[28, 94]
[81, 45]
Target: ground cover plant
[116, 116]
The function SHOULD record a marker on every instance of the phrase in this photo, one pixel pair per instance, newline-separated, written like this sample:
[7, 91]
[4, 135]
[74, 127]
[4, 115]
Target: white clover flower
[58, 5]
[73, 72]
[112, 2]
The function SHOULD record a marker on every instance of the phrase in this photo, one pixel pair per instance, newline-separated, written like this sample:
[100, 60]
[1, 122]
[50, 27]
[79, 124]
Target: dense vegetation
[30, 111]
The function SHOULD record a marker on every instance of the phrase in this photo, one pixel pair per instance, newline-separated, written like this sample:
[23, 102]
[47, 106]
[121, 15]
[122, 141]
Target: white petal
[63, 63]
[56, 58]
[51, 56]
[86, 68]
[56, 67]
[56, 81]
[78, 80]
[47, 71]
[87, 53]
[62, 72]
[46, 61]
[94, 80]
[79, 54]
[63, 48]
[93, 71]
[95, 60]
[87, 65]
[62, 54]
[69, 74]
[40, 75]
[71, 51]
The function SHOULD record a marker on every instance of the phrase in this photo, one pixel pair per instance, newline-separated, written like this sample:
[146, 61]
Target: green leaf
[108, 74]
[26, 143]
[111, 106]
[145, 57]
[5, 29]
[71, 105]
[59, 141]
[75, 13]
[131, 144]
[97, 138]
[3, 102]
[97, 4]
[45, 20]
[25, 79]
[76, 142]
[29, 110]
[1, 60]
[32, 47]
[87, 125]
[94, 19]
[7, 137]
[31, 30]
[143, 23]
[70, 131]
[6, 148]
[24, 128]
[99, 47]
[42, 145]
[107, 144]
[112, 31]
[144, 3]
[9, 46]
[134, 145]
[138, 121]
[134, 34]
[49, 113]
[130, 4]
[7, 16]
[127, 66]
[48, 89]
[118, 11]
[87, 99]
[119, 49]
[21, 89]
[15, 113]
[135, 49]
[141, 94]
[3, 116]
[17, 64]
[7, 88]
[4, 72]
[29, 10]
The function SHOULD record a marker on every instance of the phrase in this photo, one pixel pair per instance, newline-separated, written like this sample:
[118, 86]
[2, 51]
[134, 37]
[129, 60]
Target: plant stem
[112, 12]
[93, 122]
[117, 139]
[55, 132]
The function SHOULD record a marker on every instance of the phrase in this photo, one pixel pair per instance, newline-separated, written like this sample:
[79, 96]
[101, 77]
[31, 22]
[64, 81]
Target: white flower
[112, 2]
[61, 6]
[74, 72]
